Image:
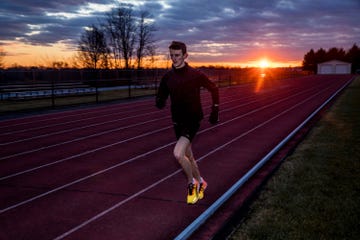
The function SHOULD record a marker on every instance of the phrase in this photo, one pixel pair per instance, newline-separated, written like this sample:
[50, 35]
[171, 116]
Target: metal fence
[39, 88]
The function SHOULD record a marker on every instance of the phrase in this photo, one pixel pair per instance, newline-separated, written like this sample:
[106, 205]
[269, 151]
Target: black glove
[214, 115]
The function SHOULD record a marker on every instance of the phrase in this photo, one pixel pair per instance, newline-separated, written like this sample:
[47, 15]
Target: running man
[183, 83]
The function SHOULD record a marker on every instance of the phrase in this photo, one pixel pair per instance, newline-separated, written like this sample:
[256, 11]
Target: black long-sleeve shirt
[184, 85]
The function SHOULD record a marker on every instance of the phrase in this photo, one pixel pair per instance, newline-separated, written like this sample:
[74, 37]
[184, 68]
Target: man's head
[178, 53]
[178, 46]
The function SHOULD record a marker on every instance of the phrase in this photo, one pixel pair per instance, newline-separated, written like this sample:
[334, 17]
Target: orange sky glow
[22, 54]
[231, 34]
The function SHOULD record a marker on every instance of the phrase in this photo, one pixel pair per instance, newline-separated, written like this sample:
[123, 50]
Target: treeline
[312, 58]
[123, 39]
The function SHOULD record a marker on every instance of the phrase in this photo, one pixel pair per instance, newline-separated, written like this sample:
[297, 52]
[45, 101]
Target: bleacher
[33, 91]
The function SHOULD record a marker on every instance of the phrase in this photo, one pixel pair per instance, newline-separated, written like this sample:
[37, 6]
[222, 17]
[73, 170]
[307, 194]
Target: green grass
[315, 194]
[8, 106]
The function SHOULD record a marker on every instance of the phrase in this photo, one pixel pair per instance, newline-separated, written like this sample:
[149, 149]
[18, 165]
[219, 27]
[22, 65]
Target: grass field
[315, 194]
[9, 106]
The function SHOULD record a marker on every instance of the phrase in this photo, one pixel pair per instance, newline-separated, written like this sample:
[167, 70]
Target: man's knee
[180, 149]
[178, 155]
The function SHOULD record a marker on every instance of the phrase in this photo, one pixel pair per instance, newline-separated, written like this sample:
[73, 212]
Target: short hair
[176, 45]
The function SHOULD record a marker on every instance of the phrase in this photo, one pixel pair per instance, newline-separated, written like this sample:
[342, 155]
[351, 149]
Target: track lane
[86, 135]
[165, 153]
[88, 230]
[50, 173]
[74, 113]
[241, 107]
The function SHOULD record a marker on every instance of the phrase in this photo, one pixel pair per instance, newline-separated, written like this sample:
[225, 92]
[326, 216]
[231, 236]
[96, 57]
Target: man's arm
[214, 90]
[161, 95]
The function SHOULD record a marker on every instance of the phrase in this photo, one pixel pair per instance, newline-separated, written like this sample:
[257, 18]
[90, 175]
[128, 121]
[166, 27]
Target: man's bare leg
[196, 172]
[195, 169]
[180, 151]
[183, 153]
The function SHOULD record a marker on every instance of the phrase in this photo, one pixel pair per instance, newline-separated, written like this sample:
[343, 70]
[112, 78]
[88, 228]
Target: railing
[50, 88]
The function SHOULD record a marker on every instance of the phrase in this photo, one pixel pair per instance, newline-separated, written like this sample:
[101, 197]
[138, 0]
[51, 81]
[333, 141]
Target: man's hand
[159, 103]
[214, 115]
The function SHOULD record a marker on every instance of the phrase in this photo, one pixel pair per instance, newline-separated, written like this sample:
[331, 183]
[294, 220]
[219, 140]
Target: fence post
[96, 90]
[129, 81]
[53, 92]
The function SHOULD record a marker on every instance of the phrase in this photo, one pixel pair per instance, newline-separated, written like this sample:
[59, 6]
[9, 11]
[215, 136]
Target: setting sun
[264, 63]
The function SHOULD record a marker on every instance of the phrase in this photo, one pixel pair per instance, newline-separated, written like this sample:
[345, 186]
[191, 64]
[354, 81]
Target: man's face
[178, 58]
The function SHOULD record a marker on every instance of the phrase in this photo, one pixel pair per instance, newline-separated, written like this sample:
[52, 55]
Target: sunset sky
[237, 32]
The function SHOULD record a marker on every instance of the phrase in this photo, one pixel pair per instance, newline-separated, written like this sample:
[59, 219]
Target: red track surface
[108, 172]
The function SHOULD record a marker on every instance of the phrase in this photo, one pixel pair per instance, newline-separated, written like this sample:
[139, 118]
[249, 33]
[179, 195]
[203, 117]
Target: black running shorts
[187, 130]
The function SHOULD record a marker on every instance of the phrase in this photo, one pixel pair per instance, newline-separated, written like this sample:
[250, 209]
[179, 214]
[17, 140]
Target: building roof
[335, 62]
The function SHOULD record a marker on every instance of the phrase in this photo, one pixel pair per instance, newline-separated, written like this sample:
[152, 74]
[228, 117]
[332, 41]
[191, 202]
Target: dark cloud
[293, 26]
[229, 30]
[53, 21]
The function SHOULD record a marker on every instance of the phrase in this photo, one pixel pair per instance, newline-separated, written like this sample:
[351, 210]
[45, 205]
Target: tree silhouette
[93, 50]
[312, 58]
[353, 56]
[145, 42]
[121, 31]
[130, 35]
[309, 62]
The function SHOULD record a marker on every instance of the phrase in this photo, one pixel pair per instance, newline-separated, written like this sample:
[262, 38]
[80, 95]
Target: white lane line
[77, 128]
[97, 134]
[116, 206]
[67, 123]
[111, 145]
[83, 224]
[109, 110]
[82, 179]
[82, 154]
[190, 229]
[79, 120]
[83, 127]
[143, 135]
[59, 144]
[145, 154]
[77, 112]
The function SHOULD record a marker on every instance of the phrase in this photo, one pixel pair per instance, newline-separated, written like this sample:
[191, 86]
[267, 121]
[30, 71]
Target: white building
[334, 67]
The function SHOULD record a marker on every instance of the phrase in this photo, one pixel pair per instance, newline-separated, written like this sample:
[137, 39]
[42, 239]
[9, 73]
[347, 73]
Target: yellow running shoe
[203, 186]
[192, 196]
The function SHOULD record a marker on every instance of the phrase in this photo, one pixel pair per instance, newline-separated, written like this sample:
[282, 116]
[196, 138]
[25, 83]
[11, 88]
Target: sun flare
[264, 63]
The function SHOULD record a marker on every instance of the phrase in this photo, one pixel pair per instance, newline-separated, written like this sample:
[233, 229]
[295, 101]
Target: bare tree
[121, 28]
[93, 49]
[60, 64]
[146, 43]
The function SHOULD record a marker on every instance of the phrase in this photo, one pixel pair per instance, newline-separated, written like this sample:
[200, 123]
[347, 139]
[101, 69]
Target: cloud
[47, 22]
[263, 25]
[228, 30]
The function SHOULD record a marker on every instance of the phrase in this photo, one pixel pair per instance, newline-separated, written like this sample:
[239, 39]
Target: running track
[107, 172]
